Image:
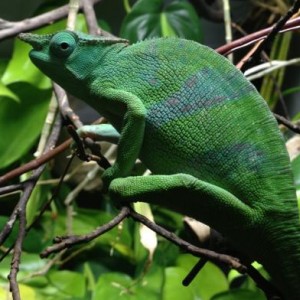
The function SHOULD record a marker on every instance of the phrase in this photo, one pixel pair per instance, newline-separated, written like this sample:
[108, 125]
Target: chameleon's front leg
[188, 195]
[127, 113]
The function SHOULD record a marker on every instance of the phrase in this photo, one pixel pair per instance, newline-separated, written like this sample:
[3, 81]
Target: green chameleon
[201, 128]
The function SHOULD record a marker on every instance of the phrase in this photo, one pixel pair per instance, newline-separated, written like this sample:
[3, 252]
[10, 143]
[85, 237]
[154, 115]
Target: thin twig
[272, 34]
[64, 105]
[47, 156]
[20, 212]
[288, 124]
[213, 256]
[91, 18]
[256, 36]
[72, 14]
[227, 22]
[67, 242]
[11, 188]
[268, 67]
[50, 118]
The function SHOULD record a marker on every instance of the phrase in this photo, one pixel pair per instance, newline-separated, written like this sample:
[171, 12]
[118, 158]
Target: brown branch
[255, 37]
[103, 162]
[16, 259]
[11, 188]
[70, 115]
[64, 106]
[209, 254]
[271, 35]
[6, 230]
[90, 17]
[287, 123]
[20, 213]
[36, 162]
[38, 21]
[205, 255]
[68, 241]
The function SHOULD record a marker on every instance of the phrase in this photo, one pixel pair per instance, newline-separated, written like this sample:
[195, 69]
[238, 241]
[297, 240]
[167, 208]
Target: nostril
[37, 46]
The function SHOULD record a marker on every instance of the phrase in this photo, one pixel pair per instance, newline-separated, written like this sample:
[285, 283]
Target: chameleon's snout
[33, 39]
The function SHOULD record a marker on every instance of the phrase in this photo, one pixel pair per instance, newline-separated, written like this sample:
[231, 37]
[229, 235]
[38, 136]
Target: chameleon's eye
[63, 44]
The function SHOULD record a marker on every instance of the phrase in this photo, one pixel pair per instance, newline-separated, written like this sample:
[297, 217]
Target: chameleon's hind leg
[186, 194]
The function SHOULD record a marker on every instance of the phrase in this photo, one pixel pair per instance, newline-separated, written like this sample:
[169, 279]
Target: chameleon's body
[200, 126]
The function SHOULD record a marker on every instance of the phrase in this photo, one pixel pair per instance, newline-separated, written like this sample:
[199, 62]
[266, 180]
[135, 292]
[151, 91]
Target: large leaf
[120, 286]
[70, 283]
[239, 294]
[161, 18]
[24, 96]
[21, 69]
[210, 281]
[6, 92]
[20, 122]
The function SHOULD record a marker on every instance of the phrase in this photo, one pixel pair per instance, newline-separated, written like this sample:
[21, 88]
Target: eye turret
[63, 44]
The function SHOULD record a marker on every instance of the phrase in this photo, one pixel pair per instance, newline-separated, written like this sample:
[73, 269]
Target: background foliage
[116, 264]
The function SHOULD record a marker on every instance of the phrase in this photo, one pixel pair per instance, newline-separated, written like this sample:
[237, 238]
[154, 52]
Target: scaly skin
[199, 126]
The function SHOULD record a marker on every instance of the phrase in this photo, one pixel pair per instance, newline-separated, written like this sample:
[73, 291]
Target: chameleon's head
[67, 56]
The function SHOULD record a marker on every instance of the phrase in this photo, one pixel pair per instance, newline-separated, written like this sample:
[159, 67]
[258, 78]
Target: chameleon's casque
[202, 129]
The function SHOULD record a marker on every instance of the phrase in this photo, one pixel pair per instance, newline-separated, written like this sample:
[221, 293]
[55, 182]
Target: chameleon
[203, 130]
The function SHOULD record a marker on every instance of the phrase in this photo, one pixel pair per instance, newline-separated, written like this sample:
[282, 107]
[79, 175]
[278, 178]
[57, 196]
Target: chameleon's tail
[282, 260]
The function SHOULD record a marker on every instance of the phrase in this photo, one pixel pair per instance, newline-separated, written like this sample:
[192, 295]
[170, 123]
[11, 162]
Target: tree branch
[14, 28]
[65, 242]
[91, 18]
[20, 213]
[254, 58]
[256, 36]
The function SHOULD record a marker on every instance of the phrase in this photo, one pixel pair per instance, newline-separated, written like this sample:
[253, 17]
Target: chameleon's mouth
[33, 39]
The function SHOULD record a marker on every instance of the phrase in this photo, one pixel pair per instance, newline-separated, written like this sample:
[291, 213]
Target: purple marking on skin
[201, 91]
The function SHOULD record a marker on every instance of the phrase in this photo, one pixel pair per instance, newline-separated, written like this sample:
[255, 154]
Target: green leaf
[291, 90]
[210, 281]
[161, 18]
[27, 292]
[173, 288]
[20, 123]
[70, 283]
[20, 68]
[114, 286]
[34, 241]
[166, 28]
[3, 64]
[29, 264]
[6, 92]
[87, 220]
[239, 294]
